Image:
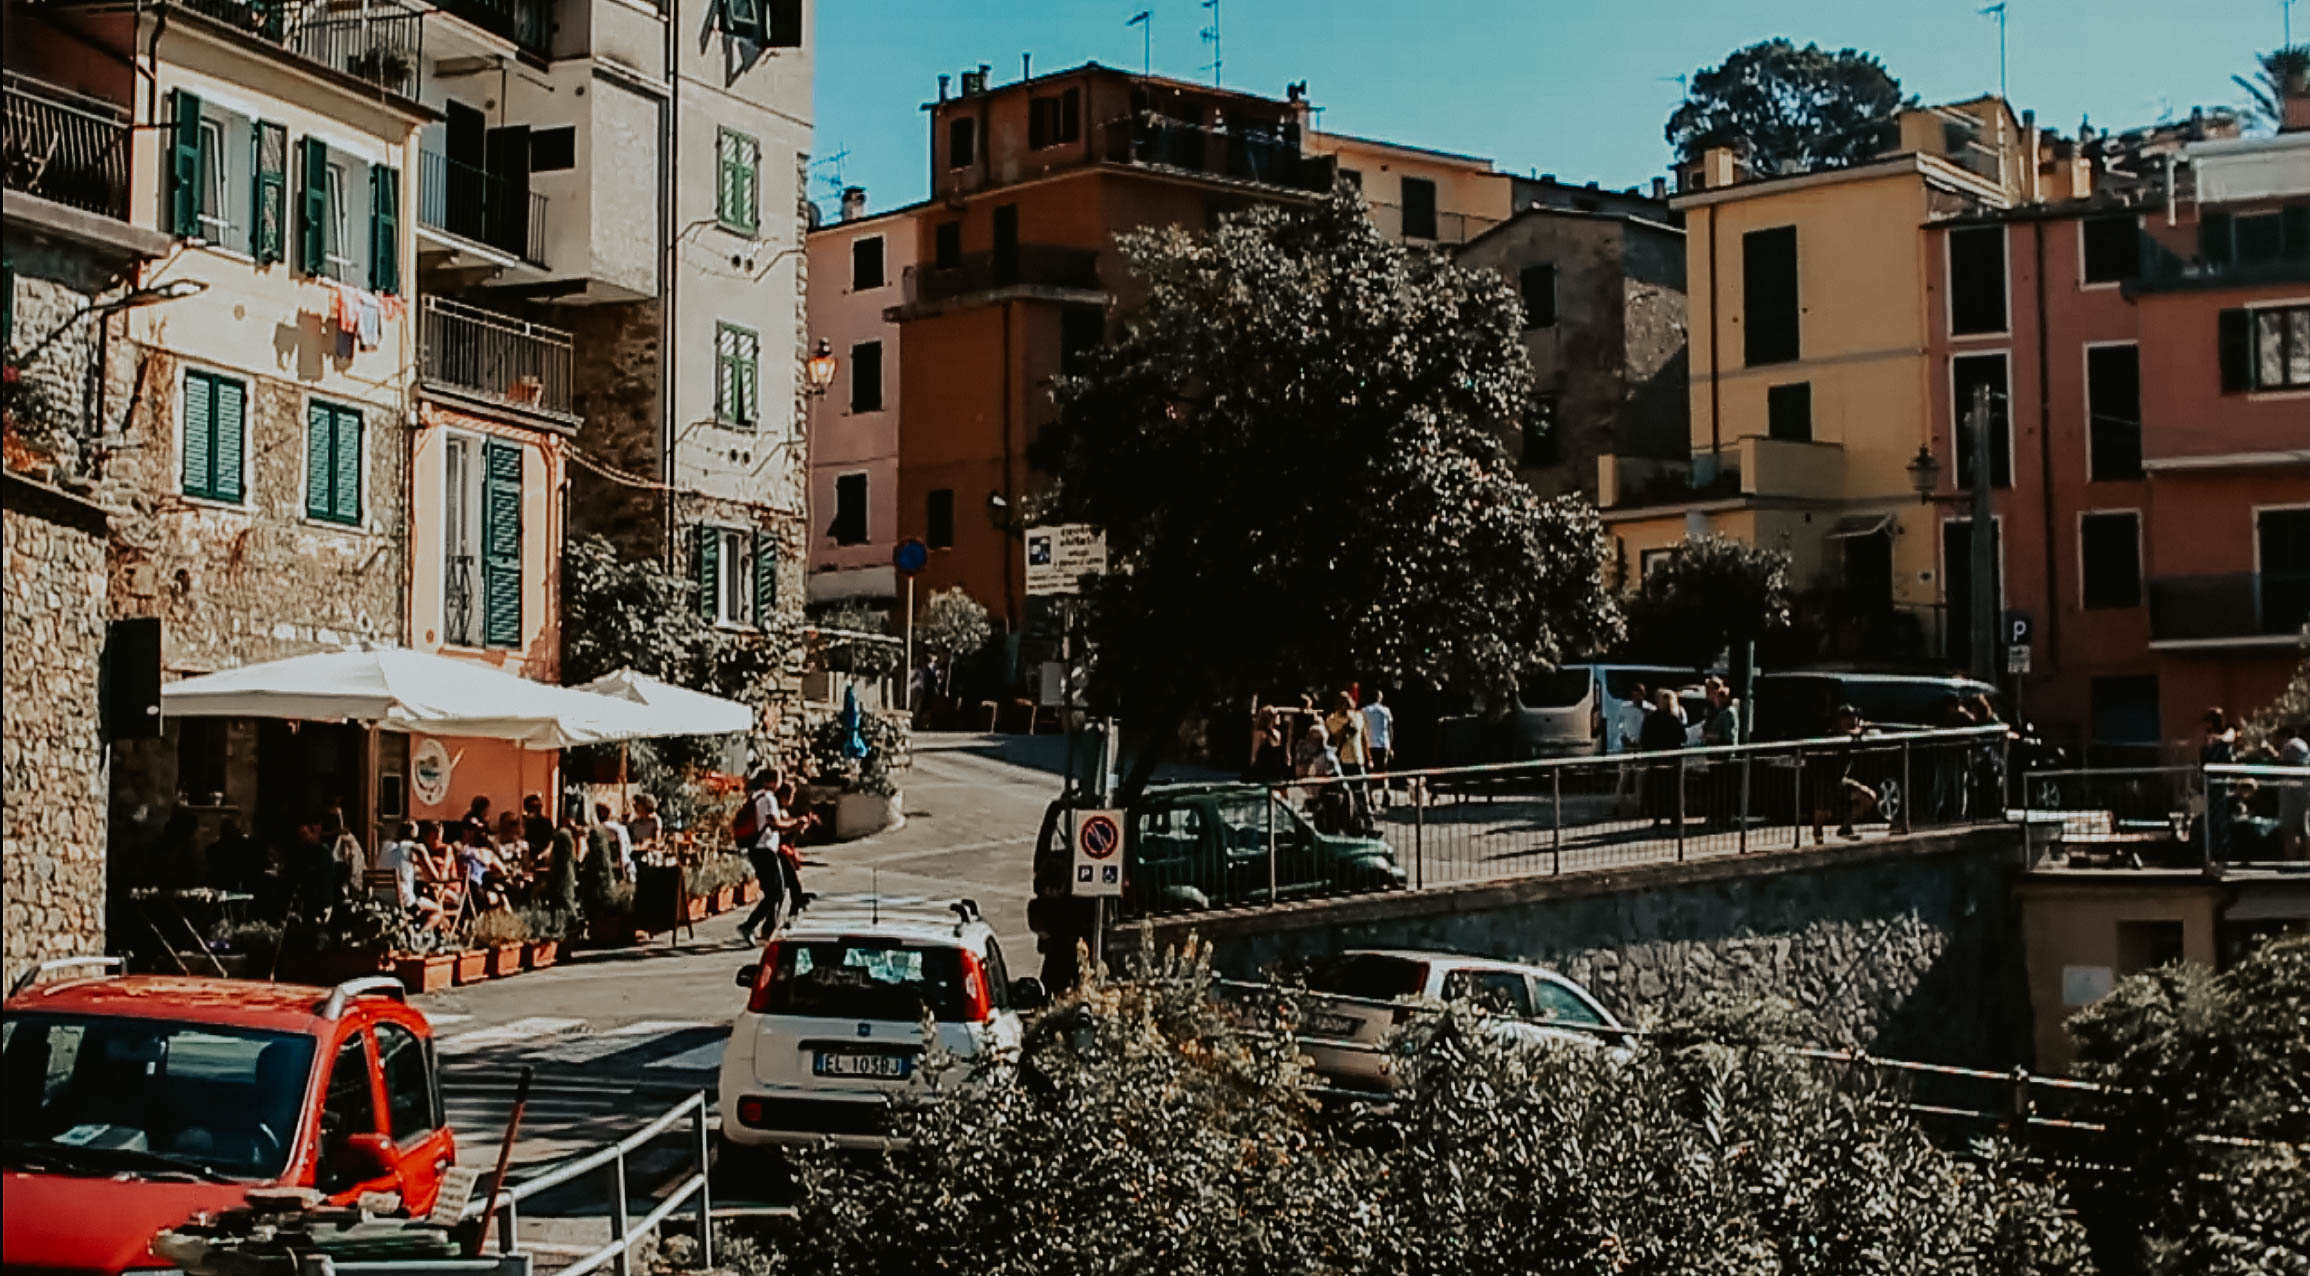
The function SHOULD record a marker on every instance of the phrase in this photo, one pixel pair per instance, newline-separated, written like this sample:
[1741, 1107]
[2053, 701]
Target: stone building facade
[52, 858]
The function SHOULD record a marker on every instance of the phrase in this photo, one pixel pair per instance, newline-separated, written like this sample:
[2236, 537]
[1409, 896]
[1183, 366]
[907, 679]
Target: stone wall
[1908, 948]
[616, 388]
[51, 289]
[52, 857]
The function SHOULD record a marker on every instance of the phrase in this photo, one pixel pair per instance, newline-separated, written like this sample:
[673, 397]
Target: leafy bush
[1712, 593]
[856, 656]
[717, 871]
[498, 926]
[889, 750]
[951, 626]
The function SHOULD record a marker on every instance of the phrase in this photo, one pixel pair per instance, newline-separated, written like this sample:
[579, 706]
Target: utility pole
[1984, 600]
[1145, 21]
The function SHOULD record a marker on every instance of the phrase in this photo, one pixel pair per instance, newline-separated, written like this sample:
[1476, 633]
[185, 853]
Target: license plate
[875, 1066]
[1332, 1026]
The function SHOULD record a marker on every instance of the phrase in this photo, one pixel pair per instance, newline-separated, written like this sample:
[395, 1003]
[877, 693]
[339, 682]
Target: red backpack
[746, 825]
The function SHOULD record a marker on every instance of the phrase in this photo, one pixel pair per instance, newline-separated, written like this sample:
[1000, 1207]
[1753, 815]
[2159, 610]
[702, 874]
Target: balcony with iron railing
[378, 42]
[1263, 156]
[2243, 608]
[528, 23]
[1036, 267]
[489, 209]
[65, 148]
[508, 361]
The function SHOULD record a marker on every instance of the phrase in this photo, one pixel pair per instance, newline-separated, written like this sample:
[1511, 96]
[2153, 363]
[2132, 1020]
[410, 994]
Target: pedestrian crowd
[1340, 755]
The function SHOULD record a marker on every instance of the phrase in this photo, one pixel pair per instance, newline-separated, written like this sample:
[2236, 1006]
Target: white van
[1585, 710]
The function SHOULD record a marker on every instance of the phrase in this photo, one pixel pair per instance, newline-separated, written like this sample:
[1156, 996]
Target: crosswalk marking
[508, 1034]
[446, 1020]
[705, 1057]
[586, 1049]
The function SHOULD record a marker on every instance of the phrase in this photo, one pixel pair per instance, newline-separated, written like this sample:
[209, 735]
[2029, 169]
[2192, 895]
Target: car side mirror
[747, 974]
[1028, 993]
[368, 1156]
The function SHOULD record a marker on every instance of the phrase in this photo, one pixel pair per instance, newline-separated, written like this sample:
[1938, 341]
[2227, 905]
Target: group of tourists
[769, 829]
[1342, 755]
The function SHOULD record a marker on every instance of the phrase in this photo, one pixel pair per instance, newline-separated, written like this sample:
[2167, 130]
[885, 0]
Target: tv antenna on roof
[2286, 16]
[1145, 21]
[1211, 37]
[833, 180]
[1997, 11]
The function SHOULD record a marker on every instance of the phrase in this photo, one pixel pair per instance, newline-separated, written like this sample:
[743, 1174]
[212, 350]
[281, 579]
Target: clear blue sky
[1571, 87]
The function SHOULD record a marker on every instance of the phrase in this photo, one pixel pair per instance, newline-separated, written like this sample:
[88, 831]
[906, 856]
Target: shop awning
[411, 691]
[675, 710]
[1853, 526]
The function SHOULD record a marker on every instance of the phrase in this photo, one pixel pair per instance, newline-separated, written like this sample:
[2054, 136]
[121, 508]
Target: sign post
[1098, 875]
[910, 557]
[1060, 557]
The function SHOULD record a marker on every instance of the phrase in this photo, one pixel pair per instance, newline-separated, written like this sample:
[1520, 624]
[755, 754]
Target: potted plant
[472, 965]
[548, 927]
[500, 934]
[869, 800]
[425, 972]
[354, 940]
[381, 65]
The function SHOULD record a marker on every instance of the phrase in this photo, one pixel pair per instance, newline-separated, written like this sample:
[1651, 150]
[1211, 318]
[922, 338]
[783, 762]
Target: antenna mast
[1211, 37]
[1145, 21]
[1997, 11]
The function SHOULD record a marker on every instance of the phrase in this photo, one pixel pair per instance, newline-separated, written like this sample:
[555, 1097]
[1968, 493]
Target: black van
[1797, 704]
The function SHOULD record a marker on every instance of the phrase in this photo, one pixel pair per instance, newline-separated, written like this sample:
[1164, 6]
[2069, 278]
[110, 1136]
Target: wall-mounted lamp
[819, 368]
[1924, 474]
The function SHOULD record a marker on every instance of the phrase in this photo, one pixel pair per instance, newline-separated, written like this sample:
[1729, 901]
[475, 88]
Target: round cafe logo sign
[430, 767]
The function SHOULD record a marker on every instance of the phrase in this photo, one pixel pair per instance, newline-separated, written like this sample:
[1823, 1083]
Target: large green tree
[1297, 451]
[1790, 107]
[1711, 594]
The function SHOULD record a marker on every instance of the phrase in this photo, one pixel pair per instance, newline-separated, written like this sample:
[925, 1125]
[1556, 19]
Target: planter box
[541, 953]
[610, 930]
[504, 959]
[426, 972]
[725, 899]
[694, 908]
[472, 965]
[749, 891]
[858, 814]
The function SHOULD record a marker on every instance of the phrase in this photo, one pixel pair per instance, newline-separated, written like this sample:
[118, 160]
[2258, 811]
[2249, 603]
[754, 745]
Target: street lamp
[819, 367]
[1924, 474]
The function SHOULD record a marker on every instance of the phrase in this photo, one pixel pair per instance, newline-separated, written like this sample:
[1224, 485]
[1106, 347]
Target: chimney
[1716, 168]
[2294, 115]
[2032, 189]
[1026, 66]
[942, 83]
[853, 203]
[1660, 188]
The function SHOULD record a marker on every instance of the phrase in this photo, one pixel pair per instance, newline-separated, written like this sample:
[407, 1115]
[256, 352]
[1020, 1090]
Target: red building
[2148, 356]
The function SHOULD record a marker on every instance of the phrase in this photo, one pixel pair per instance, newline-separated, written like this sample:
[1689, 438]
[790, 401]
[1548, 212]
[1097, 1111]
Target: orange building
[1015, 270]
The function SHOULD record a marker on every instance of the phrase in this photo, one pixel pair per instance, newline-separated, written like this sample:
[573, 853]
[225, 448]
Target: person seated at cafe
[402, 856]
[511, 838]
[477, 815]
[536, 829]
[644, 827]
[236, 862]
[481, 869]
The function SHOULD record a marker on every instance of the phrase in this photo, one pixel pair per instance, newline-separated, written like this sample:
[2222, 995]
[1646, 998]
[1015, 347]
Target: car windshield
[1561, 689]
[1249, 817]
[1374, 975]
[866, 979]
[118, 1092]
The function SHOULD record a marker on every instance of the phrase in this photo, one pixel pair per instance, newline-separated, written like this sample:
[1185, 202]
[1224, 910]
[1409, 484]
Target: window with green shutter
[737, 392]
[706, 558]
[185, 177]
[738, 189]
[313, 207]
[215, 424]
[501, 544]
[332, 463]
[269, 147]
[765, 577]
[385, 229]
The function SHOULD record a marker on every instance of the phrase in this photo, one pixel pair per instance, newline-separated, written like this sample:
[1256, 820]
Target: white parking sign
[1098, 840]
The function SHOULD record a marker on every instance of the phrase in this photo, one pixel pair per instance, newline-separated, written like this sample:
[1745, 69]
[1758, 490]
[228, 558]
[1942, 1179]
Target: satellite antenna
[1211, 37]
[1997, 11]
[1145, 21]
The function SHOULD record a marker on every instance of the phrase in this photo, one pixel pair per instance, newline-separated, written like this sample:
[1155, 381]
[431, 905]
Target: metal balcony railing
[487, 208]
[379, 42]
[1251, 154]
[497, 357]
[64, 147]
[1028, 266]
[2233, 605]
[528, 23]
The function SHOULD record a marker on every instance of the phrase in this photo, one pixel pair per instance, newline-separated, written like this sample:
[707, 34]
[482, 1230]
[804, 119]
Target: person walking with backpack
[755, 829]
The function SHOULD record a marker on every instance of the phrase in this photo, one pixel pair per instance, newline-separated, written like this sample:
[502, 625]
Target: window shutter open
[501, 544]
[184, 167]
[2234, 338]
[385, 229]
[743, 18]
[267, 237]
[313, 208]
[765, 577]
[320, 460]
[782, 24]
[707, 560]
[345, 465]
[200, 428]
[232, 420]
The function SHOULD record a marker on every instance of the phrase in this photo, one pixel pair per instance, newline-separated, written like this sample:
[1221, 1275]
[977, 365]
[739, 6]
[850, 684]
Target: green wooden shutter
[765, 577]
[385, 229]
[749, 379]
[743, 17]
[184, 187]
[501, 544]
[748, 158]
[268, 239]
[736, 355]
[706, 559]
[232, 423]
[200, 430]
[2234, 349]
[345, 463]
[320, 458]
[313, 208]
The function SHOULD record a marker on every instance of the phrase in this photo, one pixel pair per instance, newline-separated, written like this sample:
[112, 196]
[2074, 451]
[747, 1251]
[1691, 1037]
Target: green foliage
[1145, 1130]
[717, 870]
[855, 656]
[498, 926]
[951, 625]
[1296, 449]
[2292, 708]
[2198, 1054]
[889, 749]
[1711, 593]
[1792, 108]
[2278, 75]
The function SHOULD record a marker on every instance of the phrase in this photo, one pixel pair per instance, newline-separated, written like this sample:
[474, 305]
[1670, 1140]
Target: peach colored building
[857, 265]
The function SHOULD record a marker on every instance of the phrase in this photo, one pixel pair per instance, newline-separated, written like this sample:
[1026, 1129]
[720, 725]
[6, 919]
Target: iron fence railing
[498, 357]
[2255, 815]
[380, 42]
[528, 23]
[625, 1231]
[1028, 265]
[487, 208]
[2215, 816]
[61, 146]
[1192, 848]
[1268, 156]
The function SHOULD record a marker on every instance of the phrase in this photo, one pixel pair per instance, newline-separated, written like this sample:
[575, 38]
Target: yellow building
[1809, 363]
[1419, 194]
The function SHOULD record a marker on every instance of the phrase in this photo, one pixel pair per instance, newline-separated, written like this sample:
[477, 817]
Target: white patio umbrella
[673, 709]
[393, 687]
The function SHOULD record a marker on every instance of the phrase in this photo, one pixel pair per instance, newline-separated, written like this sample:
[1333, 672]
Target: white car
[833, 1025]
[1359, 998]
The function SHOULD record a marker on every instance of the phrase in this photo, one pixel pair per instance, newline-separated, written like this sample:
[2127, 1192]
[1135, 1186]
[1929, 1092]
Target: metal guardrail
[472, 203]
[2213, 816]
[497, 357]
[625, 1232]
[380, 42]
[1200, 847]
[1250, 153]
[1029, 266]
[64, 147]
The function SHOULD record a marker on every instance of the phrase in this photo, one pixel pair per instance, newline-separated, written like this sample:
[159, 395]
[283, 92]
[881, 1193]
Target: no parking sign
[1098, 838]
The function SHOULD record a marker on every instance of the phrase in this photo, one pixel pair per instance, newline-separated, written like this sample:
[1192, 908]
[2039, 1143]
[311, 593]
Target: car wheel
[1889, 799]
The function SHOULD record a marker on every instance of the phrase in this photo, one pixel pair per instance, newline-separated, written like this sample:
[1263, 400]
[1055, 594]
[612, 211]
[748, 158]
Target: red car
[135, 1102]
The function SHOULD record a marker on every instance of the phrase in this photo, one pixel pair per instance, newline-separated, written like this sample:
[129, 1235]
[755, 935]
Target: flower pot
[426, 972]
[472, 965]
[858, 814]
[694, 908]
[541, 953]
[725, 898]
[504, 959]
[749, 891]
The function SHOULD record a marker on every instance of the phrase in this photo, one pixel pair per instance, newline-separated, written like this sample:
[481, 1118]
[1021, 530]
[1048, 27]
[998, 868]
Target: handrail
[623, 1233]
[595, 1159]
[27, 979]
